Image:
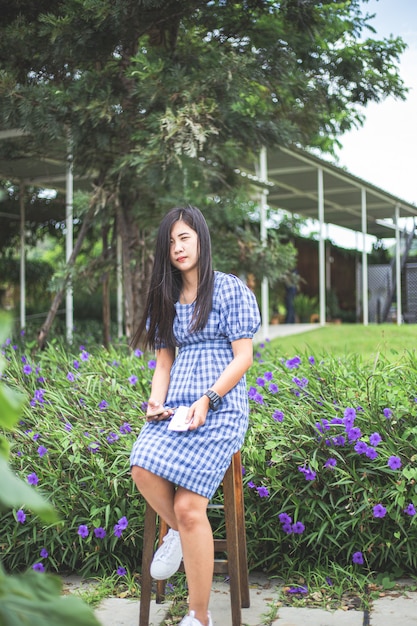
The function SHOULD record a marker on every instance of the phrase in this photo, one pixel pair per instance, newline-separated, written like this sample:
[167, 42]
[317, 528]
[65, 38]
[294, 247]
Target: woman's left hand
[197, 413]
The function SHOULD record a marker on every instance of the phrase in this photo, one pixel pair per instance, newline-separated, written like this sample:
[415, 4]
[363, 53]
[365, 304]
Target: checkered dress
[198, 459]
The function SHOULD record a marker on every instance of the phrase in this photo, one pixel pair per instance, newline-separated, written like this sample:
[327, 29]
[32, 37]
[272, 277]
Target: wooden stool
[236, 565]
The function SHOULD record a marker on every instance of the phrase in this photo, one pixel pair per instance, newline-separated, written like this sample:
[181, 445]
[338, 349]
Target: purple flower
[354, 433]
[357, 557]
[103, 405]
[20, 516]
[84, 355]
[42, 451]
[260, 382]
[287, 528]
[36, 437]
[27, 370]
[33, 479]
[93, 447]
[361, 447]
[302, 589]
[309, 474]
[252, 393]
[284, 518]
[44, 553]
[133, 379]
[121, 571]
[100, 532]
[125, 428]
[394, 462]
[152, 364]
[410, 510]
[379, 510]
[273, 388]
[117, 531]
[262, 492]
[375, 439]
[70, 377]
[68, 426]
[300, 383]
[38, 567]
[330, 463]
[83, 531]
[38, 395]
[251, 484]
[76, 364]
[311, 360]
[387, 413]
[371, 453]
[138, 353]
[293, 363]
[123, 523]
[278, 416]
[268, 376]
[112, 437]
[298, 528]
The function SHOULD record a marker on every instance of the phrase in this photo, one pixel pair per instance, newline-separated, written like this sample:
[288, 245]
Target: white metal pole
[263, 170]
[365, 302]
[398, 265]
[22, 257]
[119, 278]
[69, 302]
[322, 257]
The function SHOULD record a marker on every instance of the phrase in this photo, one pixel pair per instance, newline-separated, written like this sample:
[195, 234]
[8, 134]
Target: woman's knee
[189, 510]
[139, 477]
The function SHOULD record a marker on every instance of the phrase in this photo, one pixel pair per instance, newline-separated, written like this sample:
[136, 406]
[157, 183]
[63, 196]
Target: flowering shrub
[332, 444]
[330, 461]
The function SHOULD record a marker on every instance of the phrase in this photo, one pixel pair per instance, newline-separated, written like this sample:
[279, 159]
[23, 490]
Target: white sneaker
[191, 620]
[167, 558]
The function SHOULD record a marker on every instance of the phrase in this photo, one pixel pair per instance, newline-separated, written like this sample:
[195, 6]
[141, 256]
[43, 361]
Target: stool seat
[234, 547]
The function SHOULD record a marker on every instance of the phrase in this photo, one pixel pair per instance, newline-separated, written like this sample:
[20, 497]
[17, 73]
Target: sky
[384, 150]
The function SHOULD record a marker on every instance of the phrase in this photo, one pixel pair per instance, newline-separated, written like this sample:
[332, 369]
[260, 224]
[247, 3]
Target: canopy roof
[292, 183]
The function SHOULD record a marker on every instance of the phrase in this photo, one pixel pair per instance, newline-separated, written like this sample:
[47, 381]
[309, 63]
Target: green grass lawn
[388, 340]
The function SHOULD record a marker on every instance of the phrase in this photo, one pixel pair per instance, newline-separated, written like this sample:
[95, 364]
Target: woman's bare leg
[159, 492]
[197, 548]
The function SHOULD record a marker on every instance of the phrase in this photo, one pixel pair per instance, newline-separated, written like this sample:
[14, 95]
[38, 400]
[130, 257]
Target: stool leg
[232, 545]
[160, 584]
[241, 530]
[149, 530]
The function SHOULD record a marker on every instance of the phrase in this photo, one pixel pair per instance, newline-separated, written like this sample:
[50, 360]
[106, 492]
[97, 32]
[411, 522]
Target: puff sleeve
[239, 311]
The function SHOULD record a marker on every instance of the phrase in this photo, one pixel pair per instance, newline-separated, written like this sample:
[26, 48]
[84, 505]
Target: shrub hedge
[330, 461]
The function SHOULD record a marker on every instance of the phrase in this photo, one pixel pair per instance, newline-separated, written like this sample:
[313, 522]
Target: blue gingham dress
[198, 459]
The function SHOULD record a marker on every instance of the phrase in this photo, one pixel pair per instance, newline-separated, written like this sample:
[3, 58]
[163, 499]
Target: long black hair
[166, 282]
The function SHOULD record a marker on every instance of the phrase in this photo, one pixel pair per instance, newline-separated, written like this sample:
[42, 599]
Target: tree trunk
[137, 264]
[46, 327]
[106, 289]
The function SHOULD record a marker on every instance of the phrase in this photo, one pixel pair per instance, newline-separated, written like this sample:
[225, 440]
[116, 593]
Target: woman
[210, 317]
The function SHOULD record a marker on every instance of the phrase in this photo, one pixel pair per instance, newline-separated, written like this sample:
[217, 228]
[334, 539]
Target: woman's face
[184, 252]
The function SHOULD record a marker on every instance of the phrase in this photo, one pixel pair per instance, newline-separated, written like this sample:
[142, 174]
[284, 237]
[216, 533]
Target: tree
[164, 99]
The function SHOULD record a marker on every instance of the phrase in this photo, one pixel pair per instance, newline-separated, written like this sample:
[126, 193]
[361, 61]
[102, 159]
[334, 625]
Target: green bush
[328, 441]
[29, 596]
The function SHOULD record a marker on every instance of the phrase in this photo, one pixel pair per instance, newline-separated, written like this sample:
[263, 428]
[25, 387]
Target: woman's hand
[156, 411]
[197, 413]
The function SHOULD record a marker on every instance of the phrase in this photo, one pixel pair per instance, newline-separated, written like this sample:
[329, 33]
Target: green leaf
[15, 493]
[11, 403]
[34, 598]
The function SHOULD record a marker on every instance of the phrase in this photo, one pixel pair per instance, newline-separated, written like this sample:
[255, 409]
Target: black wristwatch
[214, 399]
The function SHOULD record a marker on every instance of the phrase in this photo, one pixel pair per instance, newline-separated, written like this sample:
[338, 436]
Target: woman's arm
[160, 383]
[233, 372]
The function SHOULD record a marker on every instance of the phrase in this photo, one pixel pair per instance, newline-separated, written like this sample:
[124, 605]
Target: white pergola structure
[298, 182]
[291, 179]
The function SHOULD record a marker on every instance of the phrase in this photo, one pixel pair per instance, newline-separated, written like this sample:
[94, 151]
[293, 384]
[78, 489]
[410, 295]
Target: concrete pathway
[393, 609]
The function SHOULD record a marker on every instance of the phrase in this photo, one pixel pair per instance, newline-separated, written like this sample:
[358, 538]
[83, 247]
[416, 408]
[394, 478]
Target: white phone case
[178, 419]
